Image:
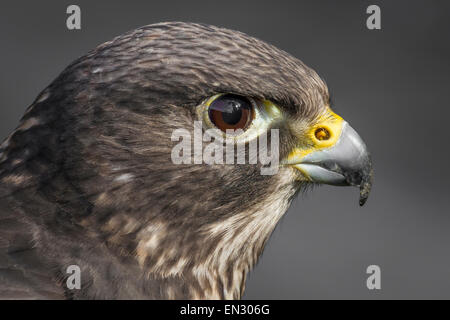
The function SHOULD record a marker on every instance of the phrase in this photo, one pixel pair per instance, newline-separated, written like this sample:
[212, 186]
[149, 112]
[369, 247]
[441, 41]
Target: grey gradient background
[392, 85]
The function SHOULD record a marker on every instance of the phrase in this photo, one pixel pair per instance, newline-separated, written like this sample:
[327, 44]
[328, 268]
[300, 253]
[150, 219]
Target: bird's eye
[231, 111]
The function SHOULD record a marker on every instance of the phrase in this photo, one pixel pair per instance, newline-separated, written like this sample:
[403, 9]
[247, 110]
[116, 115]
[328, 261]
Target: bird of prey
[87, 178]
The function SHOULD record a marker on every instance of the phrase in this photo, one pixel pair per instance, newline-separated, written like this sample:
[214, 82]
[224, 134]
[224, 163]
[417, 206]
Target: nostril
[322, 134]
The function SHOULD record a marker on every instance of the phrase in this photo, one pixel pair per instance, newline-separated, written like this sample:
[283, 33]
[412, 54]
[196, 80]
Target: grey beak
[347, 163]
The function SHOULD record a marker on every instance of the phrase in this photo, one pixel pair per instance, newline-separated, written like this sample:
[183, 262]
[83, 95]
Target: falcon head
[98, 142]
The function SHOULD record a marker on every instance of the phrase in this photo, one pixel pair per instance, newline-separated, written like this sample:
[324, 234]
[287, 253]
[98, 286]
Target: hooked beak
[345, 162]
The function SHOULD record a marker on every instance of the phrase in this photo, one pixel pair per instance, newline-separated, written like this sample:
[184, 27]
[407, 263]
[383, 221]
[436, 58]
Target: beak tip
[362, 200]
[365, 187]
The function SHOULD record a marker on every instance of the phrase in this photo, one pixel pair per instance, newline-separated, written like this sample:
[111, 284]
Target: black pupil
[233, 113]
[231, 108]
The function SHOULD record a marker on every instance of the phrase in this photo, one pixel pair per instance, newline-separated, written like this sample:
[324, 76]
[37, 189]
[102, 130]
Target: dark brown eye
[231, 112]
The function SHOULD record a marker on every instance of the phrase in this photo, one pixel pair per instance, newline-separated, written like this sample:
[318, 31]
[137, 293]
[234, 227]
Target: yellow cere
[323, 134]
